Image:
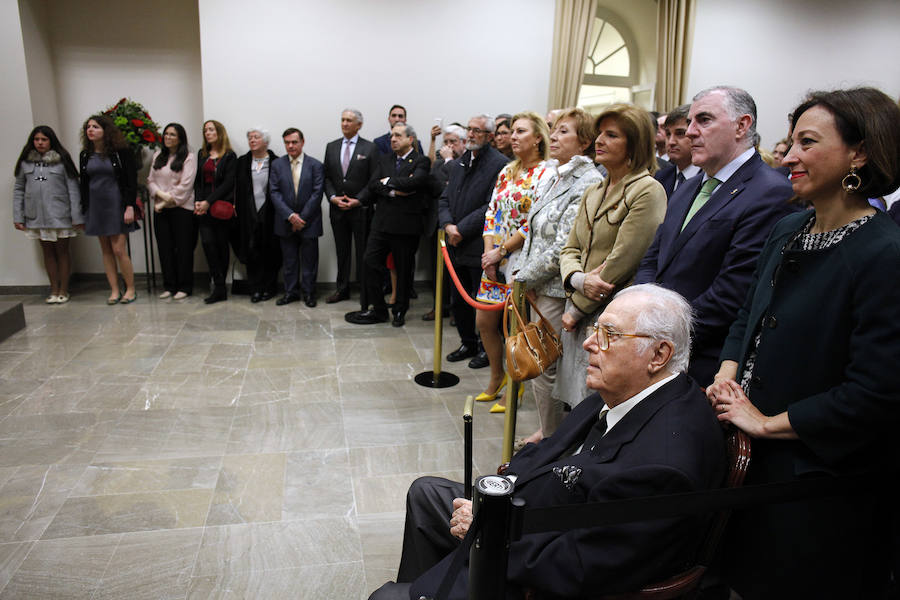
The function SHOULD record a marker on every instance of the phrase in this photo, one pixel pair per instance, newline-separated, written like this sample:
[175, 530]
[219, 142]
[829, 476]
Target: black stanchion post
[490, 552]
[437, 378]
[467, 444]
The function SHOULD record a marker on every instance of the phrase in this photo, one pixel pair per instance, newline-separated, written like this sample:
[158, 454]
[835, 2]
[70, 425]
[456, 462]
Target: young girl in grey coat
[47, 205]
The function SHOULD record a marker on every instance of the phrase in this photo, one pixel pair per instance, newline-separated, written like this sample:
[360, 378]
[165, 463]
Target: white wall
[19, 257]
[299, 63]
[779, 50]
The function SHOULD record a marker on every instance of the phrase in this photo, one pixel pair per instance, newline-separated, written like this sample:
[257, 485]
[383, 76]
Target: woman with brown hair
[108, 197]
[216, 169]
[505, 230]
[614, 227]
[808, 366]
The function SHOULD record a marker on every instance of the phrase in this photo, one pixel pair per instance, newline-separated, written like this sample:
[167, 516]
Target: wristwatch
[503, 250]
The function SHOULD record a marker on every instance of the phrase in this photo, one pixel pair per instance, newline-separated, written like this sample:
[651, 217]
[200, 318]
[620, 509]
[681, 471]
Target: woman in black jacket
[254, 238]
[108, 197]
[808, 366]
[216, 166]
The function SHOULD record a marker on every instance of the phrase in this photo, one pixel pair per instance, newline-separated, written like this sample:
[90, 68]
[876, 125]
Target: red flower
[514, 214]
[137, 122]
[159, 139]
[122, 101]
[149, 136]
[146, 114]
[517, 196]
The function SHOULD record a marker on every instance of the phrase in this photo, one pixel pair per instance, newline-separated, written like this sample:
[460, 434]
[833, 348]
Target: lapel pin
[734, 191]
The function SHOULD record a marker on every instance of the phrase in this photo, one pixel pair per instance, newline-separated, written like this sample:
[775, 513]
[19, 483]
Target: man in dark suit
[678, 149]
[295, 185]
[717, 222]
[647, 431]
[349, 165]
[397, 114]
[399, 191]
[461, 211]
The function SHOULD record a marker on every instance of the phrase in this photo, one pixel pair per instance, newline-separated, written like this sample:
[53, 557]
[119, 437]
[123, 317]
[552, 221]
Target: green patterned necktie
[702, 196]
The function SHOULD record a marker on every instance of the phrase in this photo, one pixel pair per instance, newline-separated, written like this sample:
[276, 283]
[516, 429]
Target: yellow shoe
[485, 397]
[497, 408]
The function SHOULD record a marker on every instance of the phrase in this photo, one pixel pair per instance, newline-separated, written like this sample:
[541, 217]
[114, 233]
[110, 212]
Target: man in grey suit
[350, 162]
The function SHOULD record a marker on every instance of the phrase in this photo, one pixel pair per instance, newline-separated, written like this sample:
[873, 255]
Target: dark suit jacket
[400, 214]
[383, 143]
[711, 262]
[308, 201]
[252, 225]
[666, 177]
[669, 443]
[359, 173]
[465, 200]
[829, 322]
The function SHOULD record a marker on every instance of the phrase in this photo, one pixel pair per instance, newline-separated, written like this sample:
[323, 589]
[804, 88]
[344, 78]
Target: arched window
[611, 68]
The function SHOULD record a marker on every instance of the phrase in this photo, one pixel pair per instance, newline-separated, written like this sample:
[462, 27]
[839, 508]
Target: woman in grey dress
[108, 195]
[47, 205]
[569, 173]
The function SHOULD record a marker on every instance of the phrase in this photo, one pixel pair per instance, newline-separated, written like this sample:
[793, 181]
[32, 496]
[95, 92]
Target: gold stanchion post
[437, 378]
[512, 390]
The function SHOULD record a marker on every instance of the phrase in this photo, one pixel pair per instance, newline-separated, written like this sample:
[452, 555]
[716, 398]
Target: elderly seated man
[647, 430]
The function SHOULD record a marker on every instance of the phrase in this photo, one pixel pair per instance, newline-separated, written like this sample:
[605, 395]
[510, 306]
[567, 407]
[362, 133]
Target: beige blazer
[615, 226]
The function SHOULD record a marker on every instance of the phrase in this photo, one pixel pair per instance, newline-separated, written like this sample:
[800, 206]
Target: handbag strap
[506, 311]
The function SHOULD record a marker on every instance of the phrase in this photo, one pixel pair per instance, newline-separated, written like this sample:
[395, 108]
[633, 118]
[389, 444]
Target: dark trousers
[470, 278]
[403, 247]
[426, 533]
[263, 264]
[214, 234]
[350, 228]
[176, 237]
[301, 261]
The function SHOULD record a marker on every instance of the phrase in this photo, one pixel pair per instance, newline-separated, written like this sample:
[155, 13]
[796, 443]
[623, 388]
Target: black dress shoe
[429, 316]
[256, 297]
[337, 297]
[287, 299]
[266, 296]
[412, 294]
[365, 317]
[217, 295]
[480, 361]
[399, 319]
[462, 353]
[310, 300]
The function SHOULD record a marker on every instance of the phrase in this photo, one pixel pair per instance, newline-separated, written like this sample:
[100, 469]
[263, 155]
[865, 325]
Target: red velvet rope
[462, 292]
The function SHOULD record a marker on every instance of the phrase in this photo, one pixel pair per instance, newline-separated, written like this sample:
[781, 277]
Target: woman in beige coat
[614, 227]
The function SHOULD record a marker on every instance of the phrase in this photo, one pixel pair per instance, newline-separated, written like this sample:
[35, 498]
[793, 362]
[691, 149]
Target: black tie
[397, 164]
[596, 432]
[679, 180]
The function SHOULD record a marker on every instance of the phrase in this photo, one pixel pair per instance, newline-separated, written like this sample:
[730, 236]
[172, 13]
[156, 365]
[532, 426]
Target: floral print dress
[508, 209]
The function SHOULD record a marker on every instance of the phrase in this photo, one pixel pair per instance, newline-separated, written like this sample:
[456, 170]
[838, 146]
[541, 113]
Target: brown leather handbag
[533, 349]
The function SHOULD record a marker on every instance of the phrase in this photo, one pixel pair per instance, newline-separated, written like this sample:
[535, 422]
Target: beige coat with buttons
[615, 226]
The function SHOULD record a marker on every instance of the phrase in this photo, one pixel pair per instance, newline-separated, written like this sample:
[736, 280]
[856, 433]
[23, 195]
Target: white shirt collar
[299, 158]
[352, 140]
[688, 172]
[407, 153]
[617, 412]
[731, 168]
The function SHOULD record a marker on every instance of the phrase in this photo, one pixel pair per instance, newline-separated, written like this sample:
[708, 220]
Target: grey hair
[738, 102]
[666, 315]
[455, 130]
[407, 129]
[263, 132]
[356, 114]
[677, 114]
[489, 124]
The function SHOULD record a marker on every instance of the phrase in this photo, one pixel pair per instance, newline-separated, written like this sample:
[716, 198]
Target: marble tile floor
[182, 451]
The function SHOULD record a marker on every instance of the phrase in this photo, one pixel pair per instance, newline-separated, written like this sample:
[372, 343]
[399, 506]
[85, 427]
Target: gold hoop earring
[851, 181]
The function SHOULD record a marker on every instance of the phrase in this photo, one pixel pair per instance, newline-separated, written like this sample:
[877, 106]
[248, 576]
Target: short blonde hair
[639, 128]
[585, 127]
[541, 131]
